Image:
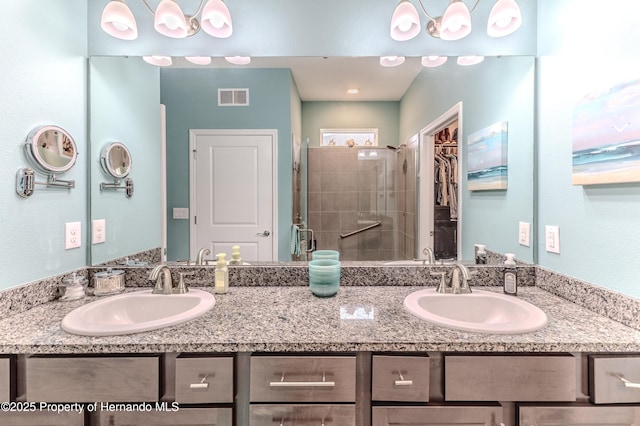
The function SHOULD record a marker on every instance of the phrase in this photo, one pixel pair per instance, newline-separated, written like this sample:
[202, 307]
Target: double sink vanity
[269, 352]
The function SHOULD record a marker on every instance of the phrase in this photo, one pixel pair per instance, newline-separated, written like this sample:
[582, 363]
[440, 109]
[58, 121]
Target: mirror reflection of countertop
[291, 319]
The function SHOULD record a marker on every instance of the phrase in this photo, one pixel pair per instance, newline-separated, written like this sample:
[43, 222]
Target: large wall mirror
[500, 89]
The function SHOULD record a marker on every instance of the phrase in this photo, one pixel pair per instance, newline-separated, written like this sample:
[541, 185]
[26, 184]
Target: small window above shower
[349, 138]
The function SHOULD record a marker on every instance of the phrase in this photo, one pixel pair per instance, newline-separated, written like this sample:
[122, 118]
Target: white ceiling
[328, 78]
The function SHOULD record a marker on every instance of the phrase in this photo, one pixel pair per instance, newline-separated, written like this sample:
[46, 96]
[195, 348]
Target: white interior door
[233, 192]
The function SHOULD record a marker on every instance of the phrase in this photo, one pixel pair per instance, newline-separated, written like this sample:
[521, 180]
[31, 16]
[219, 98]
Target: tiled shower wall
[352, 188]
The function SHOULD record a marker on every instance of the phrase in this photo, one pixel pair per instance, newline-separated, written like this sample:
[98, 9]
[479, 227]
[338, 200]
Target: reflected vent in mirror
[233, 97]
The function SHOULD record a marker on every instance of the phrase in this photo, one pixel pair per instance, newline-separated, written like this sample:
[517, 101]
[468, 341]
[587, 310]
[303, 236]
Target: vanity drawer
[477, 415]
[182, 416]
[5, 379]
[510, 377]
[606, 374]
[91, 379]
[400, 378]
[289, 415]
[204, 380]
[303, 379]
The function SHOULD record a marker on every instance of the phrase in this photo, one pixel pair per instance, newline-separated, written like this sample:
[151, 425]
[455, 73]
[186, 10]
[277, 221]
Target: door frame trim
[273, 133]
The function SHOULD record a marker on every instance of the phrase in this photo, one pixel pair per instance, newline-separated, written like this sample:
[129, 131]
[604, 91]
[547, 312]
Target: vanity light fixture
[470, 60]
[433, 61]
[455, 23]
[199, 60]
[391, 61]
[169, 20]
[238, 60]
[160, 61]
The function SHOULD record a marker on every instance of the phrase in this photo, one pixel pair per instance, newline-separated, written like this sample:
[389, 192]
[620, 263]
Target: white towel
[295, 240]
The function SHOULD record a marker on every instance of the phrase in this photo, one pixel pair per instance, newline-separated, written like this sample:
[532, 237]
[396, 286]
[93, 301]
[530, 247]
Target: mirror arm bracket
[128, 186]
[26, 181]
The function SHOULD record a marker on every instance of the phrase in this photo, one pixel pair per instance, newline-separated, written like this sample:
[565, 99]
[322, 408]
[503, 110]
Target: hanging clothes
[446, 178]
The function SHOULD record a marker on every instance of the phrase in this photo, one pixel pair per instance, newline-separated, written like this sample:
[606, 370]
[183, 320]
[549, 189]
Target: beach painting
[487, 158]
[606, 136]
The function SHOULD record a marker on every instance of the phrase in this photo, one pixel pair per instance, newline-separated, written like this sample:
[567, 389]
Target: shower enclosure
[359, 201]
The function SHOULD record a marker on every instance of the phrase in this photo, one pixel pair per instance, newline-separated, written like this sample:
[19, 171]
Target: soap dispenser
[235, 256]
[222, 274]
[510, 275]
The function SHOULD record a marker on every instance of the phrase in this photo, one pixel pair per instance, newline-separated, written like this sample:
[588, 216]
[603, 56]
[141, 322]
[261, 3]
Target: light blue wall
[44, 74]
[125, 107]
[599, 224]
[498, 89]
[383, 116]
[191, 97]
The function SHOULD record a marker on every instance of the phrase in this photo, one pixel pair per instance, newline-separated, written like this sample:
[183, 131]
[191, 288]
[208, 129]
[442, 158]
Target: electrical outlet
[552, 238]
[180, 213]
[73, 235]
[98, 231]
[524, 230]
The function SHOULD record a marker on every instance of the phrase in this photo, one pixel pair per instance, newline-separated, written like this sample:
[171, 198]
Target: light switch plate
[524, 231]
[98, 231]
[73, 235]
[180, 213]
[552, 238]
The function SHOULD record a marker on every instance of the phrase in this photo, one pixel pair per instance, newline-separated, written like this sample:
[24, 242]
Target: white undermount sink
[480, 311]
[136, 312]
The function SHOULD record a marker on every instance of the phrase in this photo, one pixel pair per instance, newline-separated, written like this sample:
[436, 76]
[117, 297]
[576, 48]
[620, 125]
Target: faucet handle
[442, 285]
[181, 288]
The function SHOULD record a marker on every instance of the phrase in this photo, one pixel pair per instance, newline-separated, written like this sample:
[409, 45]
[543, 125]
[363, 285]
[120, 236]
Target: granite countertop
[291, 319]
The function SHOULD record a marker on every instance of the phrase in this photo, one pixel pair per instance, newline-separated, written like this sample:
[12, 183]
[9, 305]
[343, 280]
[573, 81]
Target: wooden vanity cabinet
[578, 415]
[185, 416]
[449, 414]
[5, 379]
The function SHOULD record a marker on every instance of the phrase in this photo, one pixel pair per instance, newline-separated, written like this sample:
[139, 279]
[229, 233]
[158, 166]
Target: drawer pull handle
[627, 383]
[202, 385]
[402, 381]
[283, 384]
[322, 424]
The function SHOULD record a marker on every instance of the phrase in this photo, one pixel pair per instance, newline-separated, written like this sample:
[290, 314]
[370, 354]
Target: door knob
[263, 234]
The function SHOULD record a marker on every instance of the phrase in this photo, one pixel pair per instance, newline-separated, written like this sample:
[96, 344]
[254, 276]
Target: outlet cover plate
[552, 238]
[73, 235]
[524, 232]
[180, 213]
[98, 231]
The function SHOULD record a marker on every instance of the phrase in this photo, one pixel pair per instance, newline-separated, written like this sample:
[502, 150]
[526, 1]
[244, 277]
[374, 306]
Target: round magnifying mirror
[51, 149]
[116, 160]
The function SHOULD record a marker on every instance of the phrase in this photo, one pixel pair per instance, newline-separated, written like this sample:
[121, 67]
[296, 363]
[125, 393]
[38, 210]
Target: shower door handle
[263, 234]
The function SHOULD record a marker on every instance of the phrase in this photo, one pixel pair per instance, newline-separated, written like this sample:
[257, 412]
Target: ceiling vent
[233, 97]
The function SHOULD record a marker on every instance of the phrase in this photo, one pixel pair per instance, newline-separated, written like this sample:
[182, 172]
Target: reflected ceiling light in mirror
[216, 19]
[470, 60]
[456, 21]
[391, 61]
[433, 61]
[353, 91]
[504, 19]
[405, 22]
[118, 21]
[199, 60]
[169, 20]
[238, 60]
[160, 61]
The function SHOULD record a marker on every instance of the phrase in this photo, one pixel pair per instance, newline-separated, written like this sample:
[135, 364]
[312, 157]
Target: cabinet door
[578, 415]
[180, 417]
[301, 414]
[5, 379]
[41, 418]
[438, 415]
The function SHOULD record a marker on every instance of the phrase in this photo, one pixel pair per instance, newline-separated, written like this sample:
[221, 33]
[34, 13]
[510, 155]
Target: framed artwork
[487, 158]
[606, 136]
[349, 137]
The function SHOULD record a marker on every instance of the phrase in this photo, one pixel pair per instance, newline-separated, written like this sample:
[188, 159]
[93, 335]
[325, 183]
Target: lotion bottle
[510, 275]
[222, 274]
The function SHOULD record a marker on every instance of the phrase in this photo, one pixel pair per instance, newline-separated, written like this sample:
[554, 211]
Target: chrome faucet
[460, 280]
[201, 254]
[162, 273]
[431, 258]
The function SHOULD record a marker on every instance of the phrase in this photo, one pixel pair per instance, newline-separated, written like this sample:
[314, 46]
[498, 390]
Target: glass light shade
[470, 60]
[504, 19]
[405, 22]
[170, 21]
[199, 60]
[216, 19]
[238, 60]
[391, 61]
[456, 21]
[118, 21]
[160, 61]
[433, 61]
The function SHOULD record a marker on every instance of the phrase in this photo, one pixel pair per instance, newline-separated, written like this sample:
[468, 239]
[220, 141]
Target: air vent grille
[233, 97]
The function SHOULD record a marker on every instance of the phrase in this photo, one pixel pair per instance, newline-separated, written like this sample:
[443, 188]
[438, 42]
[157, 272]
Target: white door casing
[233, 192]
